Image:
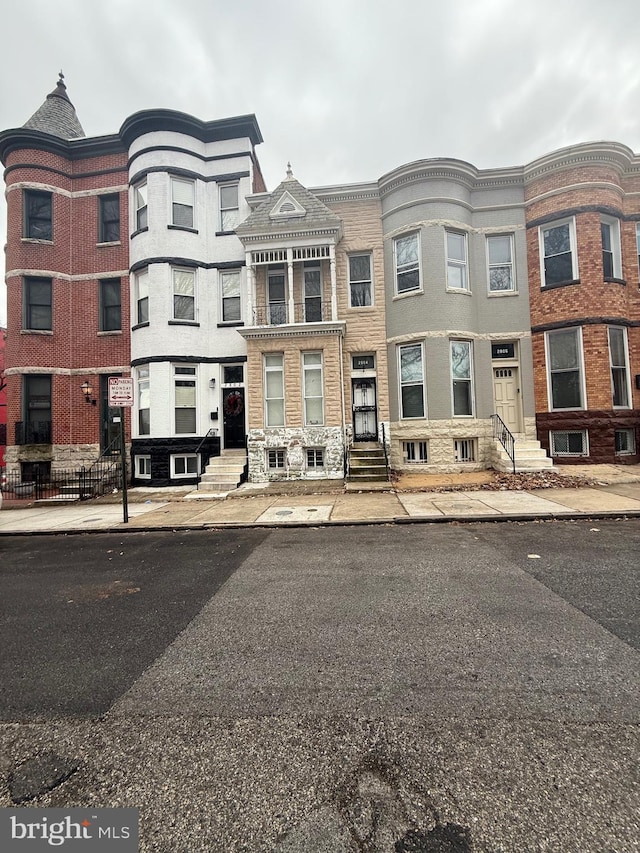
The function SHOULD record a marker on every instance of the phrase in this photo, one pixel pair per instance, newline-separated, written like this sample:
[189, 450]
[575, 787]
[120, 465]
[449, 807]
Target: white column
[334, 284]
[292, 315]
[251, 291]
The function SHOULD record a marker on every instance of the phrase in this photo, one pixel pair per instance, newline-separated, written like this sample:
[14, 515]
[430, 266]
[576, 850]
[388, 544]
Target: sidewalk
[609, 491]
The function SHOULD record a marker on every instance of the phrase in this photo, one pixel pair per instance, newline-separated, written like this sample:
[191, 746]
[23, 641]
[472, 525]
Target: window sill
[107, 333]
[614, 280]
[224, 233]
[139, 326]
[183, 323]
[460, 290]
[493, 293]
[230, 324]
[560, 284]
[362, 307]
[182, 228]
[407, 293]
[108, 243]
[36, 240]
[139, 231]
[36, 332]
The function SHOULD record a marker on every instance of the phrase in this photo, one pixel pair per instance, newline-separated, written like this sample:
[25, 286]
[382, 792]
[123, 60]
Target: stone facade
[295, 442]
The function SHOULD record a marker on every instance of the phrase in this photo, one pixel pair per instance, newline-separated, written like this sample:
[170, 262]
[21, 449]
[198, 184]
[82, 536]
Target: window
[182, 196]
[275, 458]
[557, 249]
[108, 218]
[312, 295]
[360, 281]
[315, 457]
[414, 451]
[143, 467]
[457, 261]
[185, 465]
[461, 381]
[184, 294]
[142, 296]
[500, 257]
[233, 374]
[185, 400]
[110, 304]
[140, 206]
[619, 359]
[313, 388]
[277, 304]
[638, 244]
[37, 408]
[274, 389]
[625, 442]
[38, 208]
[143, 401]
[411, 382]
[37, 304]
[230, 290]
[567, 443]
[464, 449]
[407, 260]
[564, 358]
[611, 262]
[229, 213]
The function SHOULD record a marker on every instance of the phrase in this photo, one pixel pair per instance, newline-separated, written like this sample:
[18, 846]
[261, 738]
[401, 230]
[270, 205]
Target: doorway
[506, 396]
[233, 418]
[365, 410]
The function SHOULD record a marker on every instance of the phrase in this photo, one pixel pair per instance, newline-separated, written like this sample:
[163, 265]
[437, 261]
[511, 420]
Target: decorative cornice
[336, 327]
[613, 154]
[172, 121]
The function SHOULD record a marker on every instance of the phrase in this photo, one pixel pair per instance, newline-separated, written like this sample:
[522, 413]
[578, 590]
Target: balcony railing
[33, 432]
[278, 314]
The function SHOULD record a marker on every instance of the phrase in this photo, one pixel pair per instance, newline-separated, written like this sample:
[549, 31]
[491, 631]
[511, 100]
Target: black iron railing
[101, 477]
[501, 433]
[384, 447]
[278, 314]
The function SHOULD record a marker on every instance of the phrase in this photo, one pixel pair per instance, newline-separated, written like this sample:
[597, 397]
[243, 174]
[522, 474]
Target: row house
[288, 328]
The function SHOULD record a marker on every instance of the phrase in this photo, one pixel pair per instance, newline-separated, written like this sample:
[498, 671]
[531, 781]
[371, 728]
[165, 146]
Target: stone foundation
[295, 441]
[61, 456]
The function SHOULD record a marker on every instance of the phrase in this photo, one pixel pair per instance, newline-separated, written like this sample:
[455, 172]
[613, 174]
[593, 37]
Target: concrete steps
[367, 463]
[224, 472]
[529, 456]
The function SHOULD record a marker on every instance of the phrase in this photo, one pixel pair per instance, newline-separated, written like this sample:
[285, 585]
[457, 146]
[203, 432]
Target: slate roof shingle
[57, 115]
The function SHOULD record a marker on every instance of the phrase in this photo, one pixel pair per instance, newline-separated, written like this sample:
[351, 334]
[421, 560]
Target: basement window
[569, 443]
[465, 449]
[415, 452]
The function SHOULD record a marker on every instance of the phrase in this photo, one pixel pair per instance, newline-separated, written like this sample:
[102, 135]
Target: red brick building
[3, 399]
[67, 286]
[583, 247]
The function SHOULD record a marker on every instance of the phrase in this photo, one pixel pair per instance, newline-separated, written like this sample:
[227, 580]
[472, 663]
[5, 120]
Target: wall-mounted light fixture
[212, 383]
[87, 390]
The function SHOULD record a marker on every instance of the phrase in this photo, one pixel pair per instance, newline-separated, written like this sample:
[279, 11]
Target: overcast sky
[345, 89]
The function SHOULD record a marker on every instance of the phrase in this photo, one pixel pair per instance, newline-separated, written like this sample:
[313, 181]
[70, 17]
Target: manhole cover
[285, 512]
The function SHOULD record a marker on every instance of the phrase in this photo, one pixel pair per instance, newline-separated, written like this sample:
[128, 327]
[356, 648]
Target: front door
[365, 418]
[233, 414]
[506, 395]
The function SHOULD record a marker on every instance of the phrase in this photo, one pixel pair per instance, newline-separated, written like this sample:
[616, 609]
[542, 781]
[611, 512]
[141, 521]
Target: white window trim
[514, 287]
[472, 391]
[182, 377]
[455, 262]
[632, 450]
[400, 294]
[173, 179]
[583, 387]
[188, 475]
[315, 450]
[134, 206]
[222, 209]
[617, 366]
[139, 474]
[305, 397]
[616, 250]
[141, 275]
[143, 375]
[370, 279]
[266, 369]
[222, 274]
[573, 243]
[282, 450]
[583, 432]
[424, 381]
[417, 445]
[194, 275]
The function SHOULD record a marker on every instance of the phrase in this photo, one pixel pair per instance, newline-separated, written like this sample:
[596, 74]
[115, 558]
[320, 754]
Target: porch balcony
[33, 432]
[279, 314]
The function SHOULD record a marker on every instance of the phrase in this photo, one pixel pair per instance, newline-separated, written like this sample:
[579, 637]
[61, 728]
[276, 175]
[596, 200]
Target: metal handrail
[384, 447]
[502, 434]
[211, 433]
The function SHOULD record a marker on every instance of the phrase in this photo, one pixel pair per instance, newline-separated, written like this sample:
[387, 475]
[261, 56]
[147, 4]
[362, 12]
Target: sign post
[121, 395]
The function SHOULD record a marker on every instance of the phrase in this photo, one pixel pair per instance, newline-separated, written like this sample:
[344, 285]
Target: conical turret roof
[57, 115]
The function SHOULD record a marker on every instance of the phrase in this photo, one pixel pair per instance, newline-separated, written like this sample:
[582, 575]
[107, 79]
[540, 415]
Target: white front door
[506, 396]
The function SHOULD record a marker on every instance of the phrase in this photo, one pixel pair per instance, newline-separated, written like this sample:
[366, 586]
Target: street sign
[121, 391]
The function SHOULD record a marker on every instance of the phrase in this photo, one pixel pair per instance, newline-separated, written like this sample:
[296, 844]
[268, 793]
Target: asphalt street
[466, 687]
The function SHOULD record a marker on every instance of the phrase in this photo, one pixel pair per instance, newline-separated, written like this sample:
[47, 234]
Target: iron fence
[71, 483]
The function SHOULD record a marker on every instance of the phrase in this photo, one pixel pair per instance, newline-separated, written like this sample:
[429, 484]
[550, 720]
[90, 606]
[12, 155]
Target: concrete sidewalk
[612, 491]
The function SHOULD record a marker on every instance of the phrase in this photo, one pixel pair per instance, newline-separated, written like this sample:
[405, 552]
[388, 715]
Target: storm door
[365, 412]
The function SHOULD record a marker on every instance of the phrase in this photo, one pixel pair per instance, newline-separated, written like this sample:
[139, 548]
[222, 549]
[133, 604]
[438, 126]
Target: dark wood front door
[233, 415]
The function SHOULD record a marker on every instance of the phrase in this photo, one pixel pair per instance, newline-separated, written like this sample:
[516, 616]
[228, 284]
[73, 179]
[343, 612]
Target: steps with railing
[514, 454]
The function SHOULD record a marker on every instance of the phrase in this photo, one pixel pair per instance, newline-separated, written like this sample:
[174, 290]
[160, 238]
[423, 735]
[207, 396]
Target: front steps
[224, 472]
[529, 456]
[367, 463]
